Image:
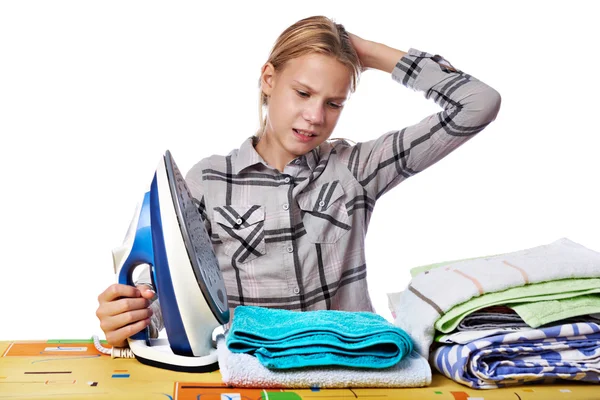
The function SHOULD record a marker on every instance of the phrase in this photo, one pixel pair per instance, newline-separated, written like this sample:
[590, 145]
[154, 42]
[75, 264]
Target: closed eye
[306, 95]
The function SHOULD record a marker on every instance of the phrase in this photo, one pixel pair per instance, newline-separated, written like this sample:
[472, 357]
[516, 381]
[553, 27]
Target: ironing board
[74, 369]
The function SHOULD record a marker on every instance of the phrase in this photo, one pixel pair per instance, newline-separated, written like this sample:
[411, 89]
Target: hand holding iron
[124, 311]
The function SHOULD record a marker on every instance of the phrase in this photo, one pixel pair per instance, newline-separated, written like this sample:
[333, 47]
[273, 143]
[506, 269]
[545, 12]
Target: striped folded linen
[565, 352]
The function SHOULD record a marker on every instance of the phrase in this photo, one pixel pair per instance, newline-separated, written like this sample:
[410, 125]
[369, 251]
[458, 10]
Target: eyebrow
[342, 98]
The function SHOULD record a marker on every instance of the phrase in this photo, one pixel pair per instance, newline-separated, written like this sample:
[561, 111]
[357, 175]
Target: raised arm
[469, 105]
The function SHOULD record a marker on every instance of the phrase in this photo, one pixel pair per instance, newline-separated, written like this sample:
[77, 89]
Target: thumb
[146, 291]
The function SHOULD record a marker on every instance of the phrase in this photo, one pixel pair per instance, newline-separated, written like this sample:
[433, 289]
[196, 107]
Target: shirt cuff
[419, 70]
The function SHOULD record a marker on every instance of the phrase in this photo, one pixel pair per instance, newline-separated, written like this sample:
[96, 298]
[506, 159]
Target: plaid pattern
[295, 239]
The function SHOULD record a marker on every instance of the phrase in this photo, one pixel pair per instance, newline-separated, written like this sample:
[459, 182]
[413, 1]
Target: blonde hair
[317, 34]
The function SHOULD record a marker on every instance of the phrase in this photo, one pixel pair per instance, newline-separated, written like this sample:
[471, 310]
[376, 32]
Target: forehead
[320, 72]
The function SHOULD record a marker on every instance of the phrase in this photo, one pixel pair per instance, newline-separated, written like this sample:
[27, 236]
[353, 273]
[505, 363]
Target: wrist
[382, 57]
[369, 53]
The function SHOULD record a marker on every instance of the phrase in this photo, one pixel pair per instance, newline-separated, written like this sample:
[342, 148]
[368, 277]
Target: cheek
[282, 106]
[286, 110]
[333, 117]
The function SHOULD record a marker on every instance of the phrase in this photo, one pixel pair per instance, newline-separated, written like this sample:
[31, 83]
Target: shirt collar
[248, 156]
[312, 158]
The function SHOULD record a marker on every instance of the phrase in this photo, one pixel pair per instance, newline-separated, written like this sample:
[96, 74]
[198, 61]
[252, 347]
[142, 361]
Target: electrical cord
[125, 352]
[114, 352]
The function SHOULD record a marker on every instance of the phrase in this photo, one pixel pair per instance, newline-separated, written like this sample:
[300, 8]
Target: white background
[93, 93]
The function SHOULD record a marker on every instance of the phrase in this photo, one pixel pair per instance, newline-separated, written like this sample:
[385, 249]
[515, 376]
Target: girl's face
[306, 99]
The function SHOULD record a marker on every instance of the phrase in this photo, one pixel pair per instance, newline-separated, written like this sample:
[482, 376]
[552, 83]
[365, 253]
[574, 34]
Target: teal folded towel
[283, 339]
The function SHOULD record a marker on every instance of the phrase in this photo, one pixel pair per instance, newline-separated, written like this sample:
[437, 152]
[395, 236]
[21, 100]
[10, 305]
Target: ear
[267, 78]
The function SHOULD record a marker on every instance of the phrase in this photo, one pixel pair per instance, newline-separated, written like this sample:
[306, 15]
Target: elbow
[491, 105]
[482, 110]
[481, 106]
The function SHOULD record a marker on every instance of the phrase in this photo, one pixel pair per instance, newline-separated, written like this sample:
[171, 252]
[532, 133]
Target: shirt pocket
[242, 231]
[324, 213]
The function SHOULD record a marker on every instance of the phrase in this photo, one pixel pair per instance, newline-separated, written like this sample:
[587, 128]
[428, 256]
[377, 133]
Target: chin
[300, 150]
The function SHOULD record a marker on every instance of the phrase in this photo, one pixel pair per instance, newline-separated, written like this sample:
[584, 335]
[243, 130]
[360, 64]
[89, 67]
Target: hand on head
[363, 48]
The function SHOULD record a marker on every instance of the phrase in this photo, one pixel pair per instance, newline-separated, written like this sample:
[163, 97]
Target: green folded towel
[540, 313]
[552, 290]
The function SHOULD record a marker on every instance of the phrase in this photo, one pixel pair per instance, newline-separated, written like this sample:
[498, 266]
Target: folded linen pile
[280, 348]
[566, 351]
[244, 370]
[485, 327]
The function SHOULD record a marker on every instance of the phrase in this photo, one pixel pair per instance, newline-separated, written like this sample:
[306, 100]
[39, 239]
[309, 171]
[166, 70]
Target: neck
[273, 153]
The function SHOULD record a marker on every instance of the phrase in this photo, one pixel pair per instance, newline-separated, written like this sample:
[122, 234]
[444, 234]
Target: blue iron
[168, 234]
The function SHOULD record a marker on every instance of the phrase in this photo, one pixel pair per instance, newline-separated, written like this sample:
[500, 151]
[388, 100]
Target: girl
[288, 210]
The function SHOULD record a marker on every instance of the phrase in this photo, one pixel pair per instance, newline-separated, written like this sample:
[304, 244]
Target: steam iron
[168, 234]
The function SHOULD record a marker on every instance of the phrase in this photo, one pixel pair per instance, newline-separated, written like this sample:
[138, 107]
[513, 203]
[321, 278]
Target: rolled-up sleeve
[469, 105]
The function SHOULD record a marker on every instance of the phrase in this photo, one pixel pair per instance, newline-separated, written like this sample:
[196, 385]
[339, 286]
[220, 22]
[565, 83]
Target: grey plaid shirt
[295, 239]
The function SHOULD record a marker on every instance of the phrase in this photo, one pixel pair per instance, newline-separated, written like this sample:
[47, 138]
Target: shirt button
[290, 249]
[287, 180]
[286, 206]
[239, 221]
[296, 290]
[321, 203]
[297, 161]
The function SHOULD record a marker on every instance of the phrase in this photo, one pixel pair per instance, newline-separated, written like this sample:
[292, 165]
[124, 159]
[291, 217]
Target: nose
[314, 113]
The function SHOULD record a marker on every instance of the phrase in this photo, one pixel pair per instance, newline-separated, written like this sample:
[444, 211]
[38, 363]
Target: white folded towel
[432, 293]
[244, 370]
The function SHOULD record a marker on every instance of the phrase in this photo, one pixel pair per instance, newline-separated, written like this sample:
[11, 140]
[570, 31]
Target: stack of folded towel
[526, 316]
[281, 348]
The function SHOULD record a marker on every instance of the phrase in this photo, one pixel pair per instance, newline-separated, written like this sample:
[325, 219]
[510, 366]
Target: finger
[119, 321]
[123, 305]
[116, 291]
[120, 335]
[146, 292]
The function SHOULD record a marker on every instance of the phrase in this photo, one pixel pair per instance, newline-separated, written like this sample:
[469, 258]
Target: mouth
[304, 135]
